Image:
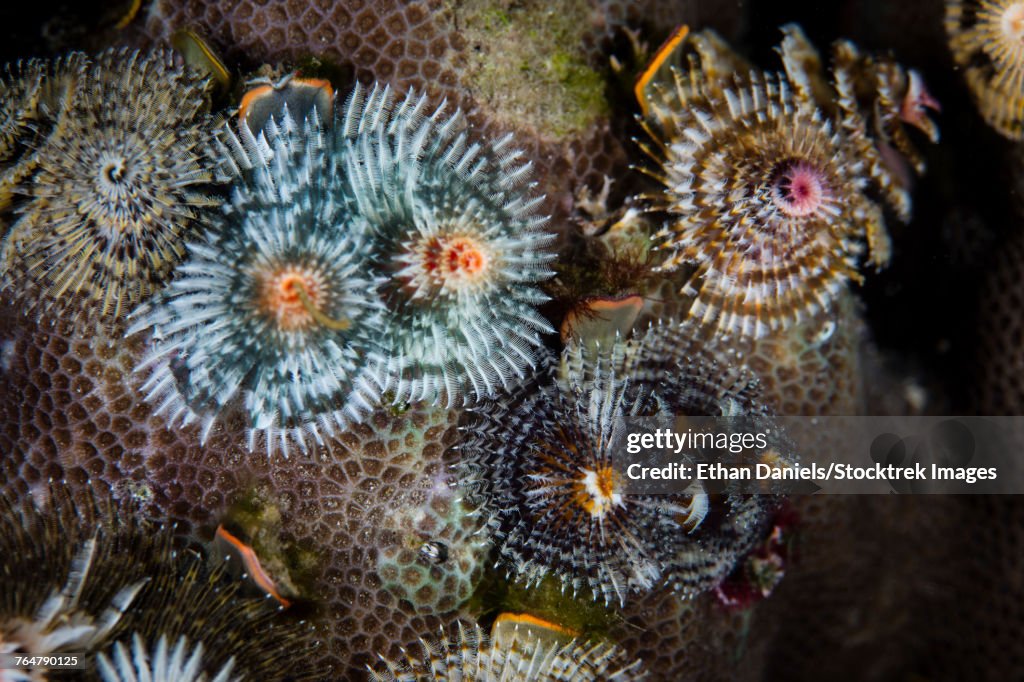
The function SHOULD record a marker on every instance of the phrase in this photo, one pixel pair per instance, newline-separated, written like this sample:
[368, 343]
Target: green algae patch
[526, 63]
[546, 600]
[395, 409]
[291, 566]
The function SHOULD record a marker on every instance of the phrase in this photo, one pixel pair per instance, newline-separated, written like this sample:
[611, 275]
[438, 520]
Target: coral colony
[327, 329]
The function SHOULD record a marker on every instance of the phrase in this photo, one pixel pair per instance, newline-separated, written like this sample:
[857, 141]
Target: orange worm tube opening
[129, 15]
[252, 566]
[527, 619]
[663, 53]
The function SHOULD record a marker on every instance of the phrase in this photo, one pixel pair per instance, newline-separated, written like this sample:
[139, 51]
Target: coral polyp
[19, 100]
[59, 594]
[764, 201]
[121, 579]
[34, 98]
[987, 41]
[559, 487]
[21, 89]
[163, 664]
[559, 470]
[274, 311]
[774, 183]
[301, 332]
[522, 655]
[60, 624]
[457, 234]
[213, 621]
[117, 190]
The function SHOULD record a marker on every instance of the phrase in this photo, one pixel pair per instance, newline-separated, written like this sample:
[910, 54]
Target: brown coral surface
[347, 531]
